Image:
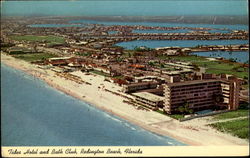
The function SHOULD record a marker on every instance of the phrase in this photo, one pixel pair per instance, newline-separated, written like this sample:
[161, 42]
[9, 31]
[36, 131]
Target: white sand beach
[193, 132]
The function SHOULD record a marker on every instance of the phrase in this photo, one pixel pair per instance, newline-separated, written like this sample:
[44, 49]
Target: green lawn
[239, 128]
[128, 53]
[100, 73]
[174, 116]
[216, 67]
[232, 114]
[34, 38]
[34, 56]
[165, 67]
[177, 116]
[118, 77]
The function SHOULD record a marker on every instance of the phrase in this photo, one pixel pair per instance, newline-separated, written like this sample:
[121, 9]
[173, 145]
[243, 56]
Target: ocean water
[34, 114]
[239, 56]
[180, 43]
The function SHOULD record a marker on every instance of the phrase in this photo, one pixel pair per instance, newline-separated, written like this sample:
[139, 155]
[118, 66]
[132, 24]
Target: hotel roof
[148, 96]
[153, 77]
[60, 58]
[191, 82]
[142, 83]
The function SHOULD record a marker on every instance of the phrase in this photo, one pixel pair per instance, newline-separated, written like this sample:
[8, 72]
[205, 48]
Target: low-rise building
[20, 50]
[156, 91]
[59, 61]
[152, 78]
[148, 99]
[139, 86]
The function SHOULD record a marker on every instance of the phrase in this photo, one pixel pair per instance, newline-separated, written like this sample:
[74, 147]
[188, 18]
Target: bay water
[238, 56]
[179, 43]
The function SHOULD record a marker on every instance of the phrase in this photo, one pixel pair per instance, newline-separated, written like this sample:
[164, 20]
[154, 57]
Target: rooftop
[60, 58]
[148, 96]
[192, 82]
[142, 83]
[151, 77]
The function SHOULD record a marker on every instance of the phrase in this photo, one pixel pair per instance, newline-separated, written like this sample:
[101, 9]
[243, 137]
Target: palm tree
[218, 98]
[185, 108]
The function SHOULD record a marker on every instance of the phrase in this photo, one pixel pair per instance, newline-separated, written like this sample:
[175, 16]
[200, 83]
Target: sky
[124, 7]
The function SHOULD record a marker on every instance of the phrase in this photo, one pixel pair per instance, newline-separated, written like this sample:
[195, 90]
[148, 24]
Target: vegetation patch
[34, 38]
[239, 128]
[100, 73]
[142, 49]
[177, 116]
[6, 45]
[232, 114]
[216, 67]
[243, 111]
[118, 77]
[174, 116]
[34, 57]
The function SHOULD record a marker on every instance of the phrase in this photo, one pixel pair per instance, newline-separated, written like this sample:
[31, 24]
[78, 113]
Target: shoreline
[151, 121]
